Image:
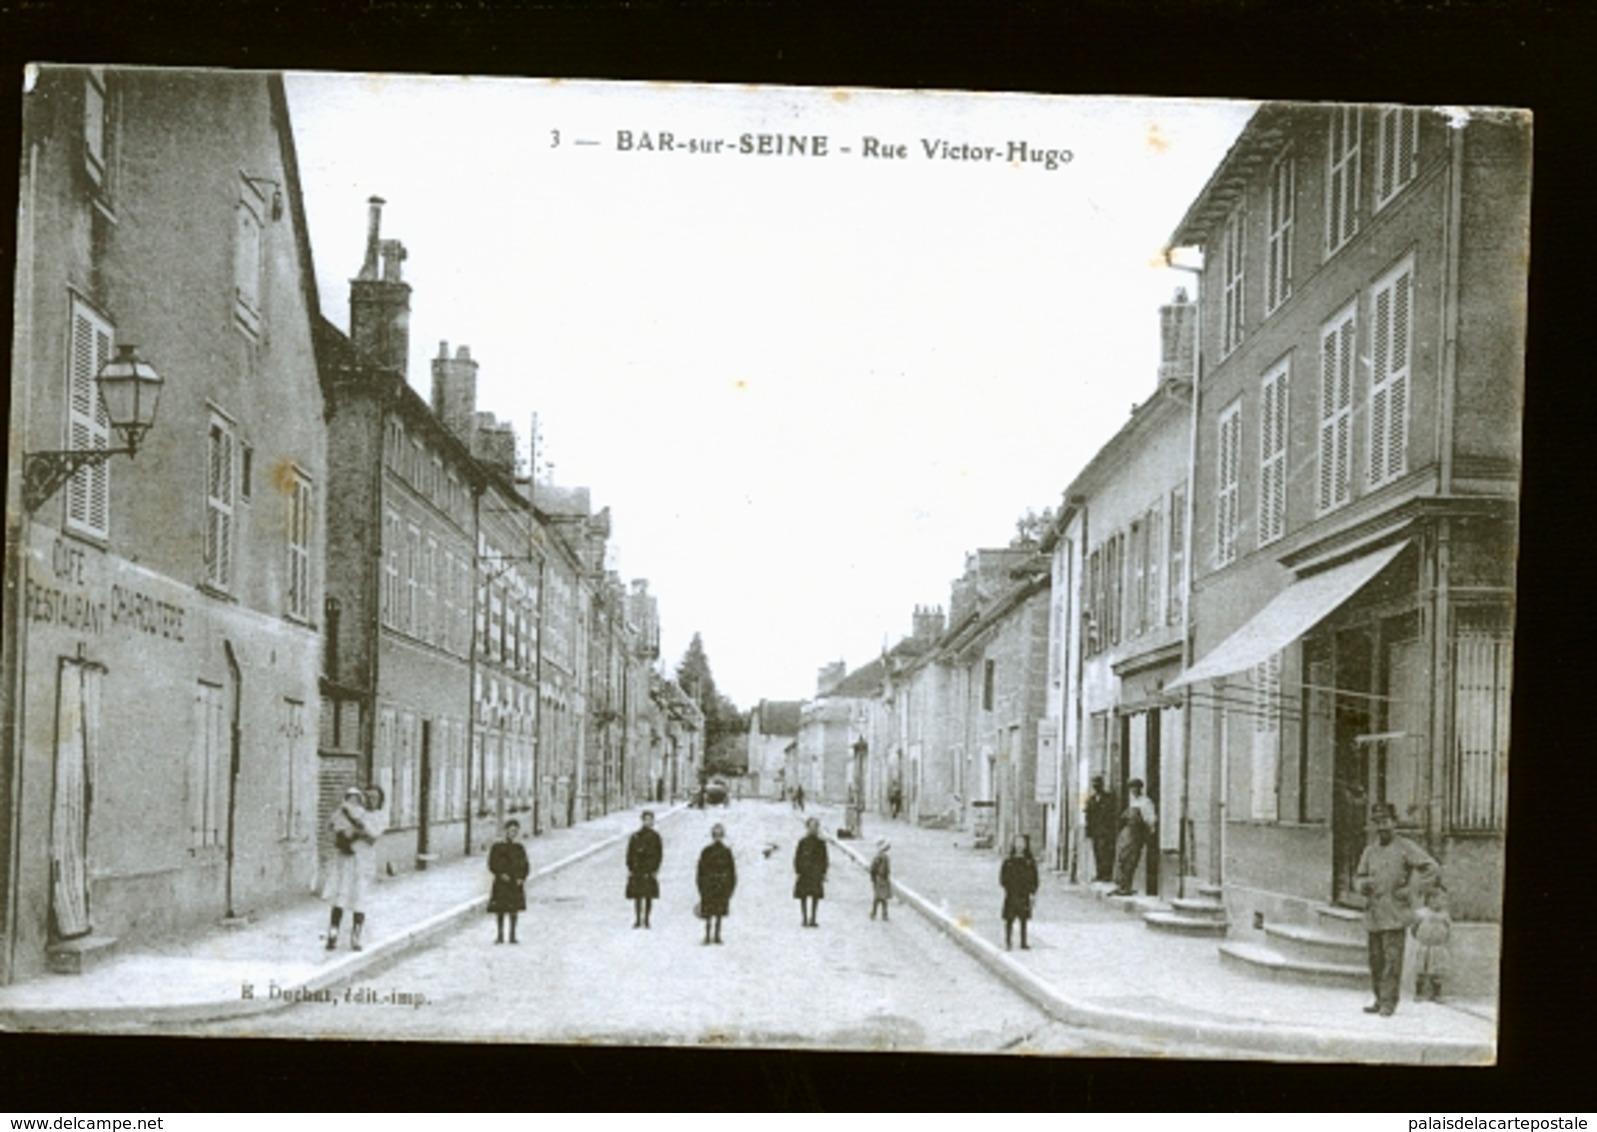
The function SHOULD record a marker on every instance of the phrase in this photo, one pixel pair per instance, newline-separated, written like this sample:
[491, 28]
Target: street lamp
[129, 390]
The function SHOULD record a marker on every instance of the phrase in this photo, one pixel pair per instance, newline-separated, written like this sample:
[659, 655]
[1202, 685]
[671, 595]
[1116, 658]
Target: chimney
[829, 677]
[379, 299]
[928, 624]
[1178, 337]
[455, 391]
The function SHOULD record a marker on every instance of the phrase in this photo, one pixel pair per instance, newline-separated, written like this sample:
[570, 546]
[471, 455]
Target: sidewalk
[278, 959]
[1092, 963]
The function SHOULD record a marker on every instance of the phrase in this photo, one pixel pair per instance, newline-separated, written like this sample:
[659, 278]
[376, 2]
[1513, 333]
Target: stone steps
[1180, 923]
[1266, 962]
[81, 955]
[1313, 946]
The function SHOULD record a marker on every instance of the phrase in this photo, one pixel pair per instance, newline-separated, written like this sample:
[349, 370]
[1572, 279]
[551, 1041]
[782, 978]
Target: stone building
[1117, 622]
[773, 725]
[162, 614]
[1357, 458]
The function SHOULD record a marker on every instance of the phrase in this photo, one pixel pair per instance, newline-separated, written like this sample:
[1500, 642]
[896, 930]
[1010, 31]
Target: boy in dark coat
[1018, 878]
[507, 860]
[644, 853]
[717, 879]
[810, 862]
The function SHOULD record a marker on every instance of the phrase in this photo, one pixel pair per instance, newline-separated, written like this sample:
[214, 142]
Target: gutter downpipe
[1185, 862]
[1441, 658]
[477, 593]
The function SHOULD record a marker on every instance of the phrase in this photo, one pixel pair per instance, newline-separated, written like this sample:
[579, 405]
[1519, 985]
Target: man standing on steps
[1101, 830]
[1387, 875]
[1137, 826]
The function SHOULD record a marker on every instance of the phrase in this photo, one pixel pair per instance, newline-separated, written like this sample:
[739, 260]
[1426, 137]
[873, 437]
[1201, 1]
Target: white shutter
[1336, 411]
[1389, 376]
[88, 491]
[1230, 468]
[219, 506]
[1272, 456]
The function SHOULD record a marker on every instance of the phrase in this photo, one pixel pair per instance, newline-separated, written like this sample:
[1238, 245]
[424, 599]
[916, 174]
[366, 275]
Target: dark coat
[1018, 876]
[717, 878]
[644, 853]
[1101, 816]
[507, 860]
[810, 862]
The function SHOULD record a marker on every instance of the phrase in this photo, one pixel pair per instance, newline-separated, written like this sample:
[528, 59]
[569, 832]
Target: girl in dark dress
[810, 862]
[644, 853]
[507, 860]
[1018, 876]
[717, 878]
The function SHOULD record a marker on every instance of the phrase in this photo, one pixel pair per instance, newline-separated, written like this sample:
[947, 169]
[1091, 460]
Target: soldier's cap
[1383, 810]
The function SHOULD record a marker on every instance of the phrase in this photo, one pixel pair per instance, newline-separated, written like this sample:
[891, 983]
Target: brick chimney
[928, 623]
[455, 391]
[1178, 338]
[379, 299]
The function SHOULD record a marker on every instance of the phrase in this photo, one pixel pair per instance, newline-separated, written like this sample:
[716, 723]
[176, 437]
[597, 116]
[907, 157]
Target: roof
[779, 717]
[1258, 144]
[863, 682]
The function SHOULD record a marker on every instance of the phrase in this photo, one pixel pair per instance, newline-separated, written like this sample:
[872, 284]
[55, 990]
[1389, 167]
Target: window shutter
[219, 508]
[88, 491]
[1389, 377]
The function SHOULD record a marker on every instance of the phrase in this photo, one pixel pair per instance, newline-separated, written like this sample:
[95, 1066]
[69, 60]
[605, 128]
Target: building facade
[1357, 454]
[162, 614]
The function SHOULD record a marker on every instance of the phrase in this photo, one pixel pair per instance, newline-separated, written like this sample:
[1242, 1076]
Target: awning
[1290, 614]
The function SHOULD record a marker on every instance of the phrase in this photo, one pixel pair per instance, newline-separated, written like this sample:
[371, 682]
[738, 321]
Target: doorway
[77, 739]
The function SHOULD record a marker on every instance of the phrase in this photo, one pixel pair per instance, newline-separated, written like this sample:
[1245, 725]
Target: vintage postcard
[540, 561]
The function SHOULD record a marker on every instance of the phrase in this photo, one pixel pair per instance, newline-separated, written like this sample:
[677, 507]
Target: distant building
[773, 725]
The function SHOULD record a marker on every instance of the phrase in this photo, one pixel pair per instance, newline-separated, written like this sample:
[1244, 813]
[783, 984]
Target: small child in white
[1432, 929]
[881, 878]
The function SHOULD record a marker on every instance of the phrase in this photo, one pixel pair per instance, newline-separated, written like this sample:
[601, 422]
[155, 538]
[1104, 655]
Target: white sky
[805, 387]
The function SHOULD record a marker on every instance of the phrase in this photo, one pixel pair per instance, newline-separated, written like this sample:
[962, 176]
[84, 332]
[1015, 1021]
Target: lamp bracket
[44, 473]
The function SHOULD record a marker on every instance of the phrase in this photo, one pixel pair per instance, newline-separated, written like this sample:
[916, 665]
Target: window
[1228, 511]
[434, 621]
[1479, 758]
[1397, 151]
[1272, 454]
[1114, 587]
[1153, 528]
[301, 526]
[1342, 178]
[392, 536]
[208, 762]
[97, 129]
[246, 472]
[247, 256]
[1389, 369]
[987, 680]
[293, 819]
[1137, 571]
[1266, 738]
[1278, 261]
[1177, 549]
[220, 491]
[1232, 281]
[410, 616]
[1336, 409]
[1092, 631]
[88, 493]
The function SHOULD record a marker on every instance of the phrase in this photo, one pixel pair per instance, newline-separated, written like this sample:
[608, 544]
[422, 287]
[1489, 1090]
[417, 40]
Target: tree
[724, 725]
[1031, 527]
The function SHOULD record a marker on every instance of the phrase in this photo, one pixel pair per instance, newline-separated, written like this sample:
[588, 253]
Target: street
[582, 973]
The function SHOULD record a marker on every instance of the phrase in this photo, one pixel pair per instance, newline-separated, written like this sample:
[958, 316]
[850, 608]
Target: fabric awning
[1290, 614]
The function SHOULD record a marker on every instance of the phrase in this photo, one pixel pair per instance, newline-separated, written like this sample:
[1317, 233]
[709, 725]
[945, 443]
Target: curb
[1311, 1044]
[377, 955]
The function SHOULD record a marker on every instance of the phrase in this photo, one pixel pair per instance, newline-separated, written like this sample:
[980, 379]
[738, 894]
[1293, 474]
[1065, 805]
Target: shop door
[77, 734]
[424, 789]
[1352, 727]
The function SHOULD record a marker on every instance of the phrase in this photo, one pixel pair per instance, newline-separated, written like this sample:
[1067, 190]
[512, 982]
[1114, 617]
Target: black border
[1540, 56]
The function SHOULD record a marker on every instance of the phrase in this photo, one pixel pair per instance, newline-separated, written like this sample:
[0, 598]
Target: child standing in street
[881, 879]
[507, 860]
[1433, 930]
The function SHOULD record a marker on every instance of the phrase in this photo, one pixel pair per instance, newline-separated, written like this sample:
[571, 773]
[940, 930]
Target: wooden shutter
[219, 507]
[1389, 377]
[1272, 457]
[88, 491]
[1336, 412]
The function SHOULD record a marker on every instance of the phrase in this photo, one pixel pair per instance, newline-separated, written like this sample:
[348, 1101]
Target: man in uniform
[1387, 875]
